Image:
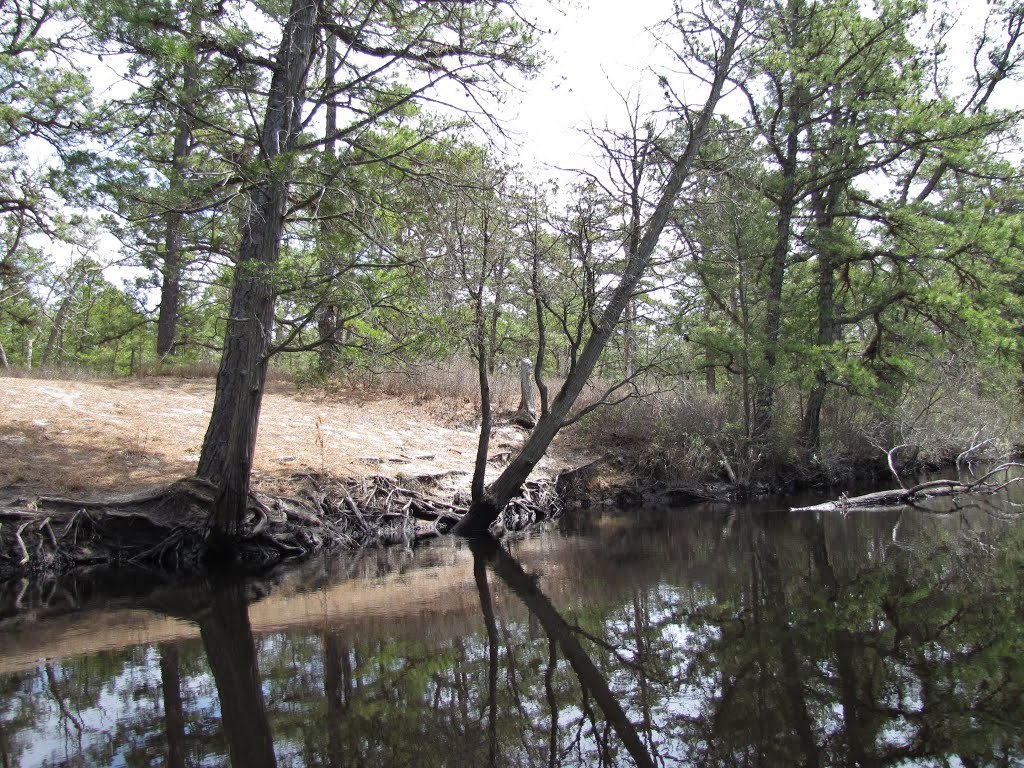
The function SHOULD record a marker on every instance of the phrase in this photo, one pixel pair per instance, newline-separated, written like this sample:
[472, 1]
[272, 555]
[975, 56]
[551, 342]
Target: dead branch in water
[931, 489]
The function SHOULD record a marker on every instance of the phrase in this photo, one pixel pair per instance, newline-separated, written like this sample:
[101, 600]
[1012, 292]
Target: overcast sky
[594, 47]
[599, 47]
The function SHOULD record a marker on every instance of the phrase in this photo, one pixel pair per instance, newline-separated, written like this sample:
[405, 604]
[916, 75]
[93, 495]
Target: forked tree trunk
[484, 511]
[764, 398]
[230, 441]
[79, 275]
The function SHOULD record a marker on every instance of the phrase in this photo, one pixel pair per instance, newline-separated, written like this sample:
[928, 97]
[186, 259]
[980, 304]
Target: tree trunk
[79, 275]
[710, 369]
[230, 441]
[487, 609]
[542, 336]
[170, 287]
[526, 416]
[629, 339]
[593, 682]
[495, 313]
[484, 442]
[792, 680]
[825, 206]
[337, 678]
[3, 359]
[764, 398]
[327, 320]
[174, 252]
[485, 510]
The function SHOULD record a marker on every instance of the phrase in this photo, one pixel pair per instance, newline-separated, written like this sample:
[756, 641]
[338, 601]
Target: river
[705, 636]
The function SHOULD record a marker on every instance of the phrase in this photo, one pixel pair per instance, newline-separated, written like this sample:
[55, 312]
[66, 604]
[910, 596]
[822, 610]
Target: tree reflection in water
[736, 640]
[526, 588]
[231, 654]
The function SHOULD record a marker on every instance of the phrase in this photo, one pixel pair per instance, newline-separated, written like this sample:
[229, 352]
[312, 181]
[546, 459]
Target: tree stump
[526, 416]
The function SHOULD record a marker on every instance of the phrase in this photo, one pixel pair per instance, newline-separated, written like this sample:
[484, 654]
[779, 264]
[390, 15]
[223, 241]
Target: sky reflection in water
[692, 637]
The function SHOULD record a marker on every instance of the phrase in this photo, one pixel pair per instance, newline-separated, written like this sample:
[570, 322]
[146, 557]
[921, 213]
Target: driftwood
[898, 497]
[165, 528]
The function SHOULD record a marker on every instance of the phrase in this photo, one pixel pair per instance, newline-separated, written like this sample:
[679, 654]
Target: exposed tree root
[165, 528]
[992, 481]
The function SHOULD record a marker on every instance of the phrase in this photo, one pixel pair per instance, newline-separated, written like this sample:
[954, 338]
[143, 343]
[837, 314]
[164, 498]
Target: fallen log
[899, 497]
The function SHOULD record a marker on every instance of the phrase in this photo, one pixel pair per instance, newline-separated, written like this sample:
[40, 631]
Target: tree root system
[165, 528]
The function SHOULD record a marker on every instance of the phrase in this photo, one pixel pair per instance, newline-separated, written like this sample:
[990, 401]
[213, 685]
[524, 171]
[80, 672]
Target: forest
[801, 258]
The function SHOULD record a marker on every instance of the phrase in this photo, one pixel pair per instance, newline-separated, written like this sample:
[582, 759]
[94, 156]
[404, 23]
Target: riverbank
[101, 437]
[92, 471]
[95, 473]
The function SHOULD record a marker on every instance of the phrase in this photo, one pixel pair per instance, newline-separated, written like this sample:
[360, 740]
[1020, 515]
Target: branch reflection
[508, 569]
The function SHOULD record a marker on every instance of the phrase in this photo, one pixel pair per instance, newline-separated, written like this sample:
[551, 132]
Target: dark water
[692, 637]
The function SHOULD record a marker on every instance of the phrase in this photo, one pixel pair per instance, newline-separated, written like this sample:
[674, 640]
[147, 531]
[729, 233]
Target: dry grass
[94, 436]
[667, 435]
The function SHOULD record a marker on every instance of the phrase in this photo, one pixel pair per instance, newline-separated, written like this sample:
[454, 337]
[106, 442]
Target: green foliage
[845, 239]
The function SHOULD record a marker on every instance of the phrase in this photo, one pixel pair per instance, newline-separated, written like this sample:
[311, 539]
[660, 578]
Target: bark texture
[230, 440]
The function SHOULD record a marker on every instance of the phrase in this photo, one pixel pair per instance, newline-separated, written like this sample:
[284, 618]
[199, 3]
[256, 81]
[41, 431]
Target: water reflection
[722, 637]
[561, 634]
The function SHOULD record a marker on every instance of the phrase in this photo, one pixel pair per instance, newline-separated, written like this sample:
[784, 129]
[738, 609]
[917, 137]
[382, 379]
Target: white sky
[600, 47]
[595, 48]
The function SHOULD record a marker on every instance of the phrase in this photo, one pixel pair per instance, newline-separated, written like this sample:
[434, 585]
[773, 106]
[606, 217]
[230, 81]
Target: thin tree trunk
[230, 441]
[552, 698]
[495, 314]
[526, 415]
[542, 336]
[485, 509]
[327, 321]
[629, 339]
[480, 353]
[3, 359]
[170, 285]
[79, 275]
[710, 373]
[483, 444]
[337, 682]
[487, 608]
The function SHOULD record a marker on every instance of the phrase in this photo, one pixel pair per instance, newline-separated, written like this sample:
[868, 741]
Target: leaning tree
[717, 51]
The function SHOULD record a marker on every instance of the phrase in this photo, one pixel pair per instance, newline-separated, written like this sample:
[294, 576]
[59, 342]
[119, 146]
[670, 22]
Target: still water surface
[715, 636]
